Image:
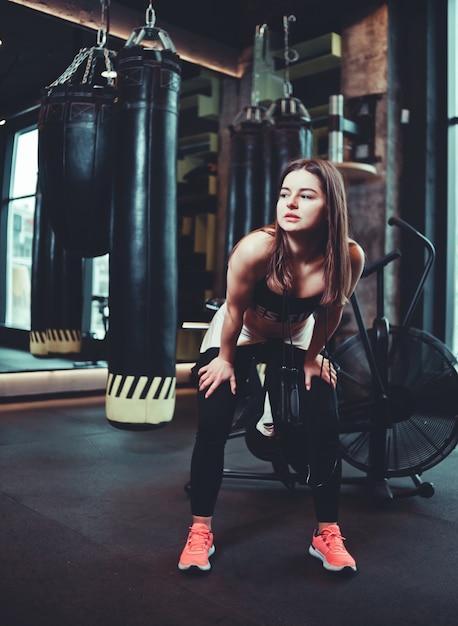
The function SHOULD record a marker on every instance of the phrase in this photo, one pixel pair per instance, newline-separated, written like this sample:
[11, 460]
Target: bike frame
[376, 348]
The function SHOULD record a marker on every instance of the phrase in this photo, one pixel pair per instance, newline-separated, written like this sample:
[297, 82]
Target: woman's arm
[327, 321]
[246, 264]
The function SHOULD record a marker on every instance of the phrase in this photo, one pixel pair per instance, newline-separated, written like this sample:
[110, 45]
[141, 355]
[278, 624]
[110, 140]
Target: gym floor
[93, 519]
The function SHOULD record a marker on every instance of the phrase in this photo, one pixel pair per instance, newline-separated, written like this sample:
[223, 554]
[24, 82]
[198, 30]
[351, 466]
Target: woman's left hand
[321, 367]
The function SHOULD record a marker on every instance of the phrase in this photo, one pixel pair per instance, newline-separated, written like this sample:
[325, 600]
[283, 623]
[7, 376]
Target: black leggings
[319, 438]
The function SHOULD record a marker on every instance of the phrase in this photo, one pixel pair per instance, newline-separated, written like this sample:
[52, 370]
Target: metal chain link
[109, 73]
[72, 68]
[104, 24]
[89, 67]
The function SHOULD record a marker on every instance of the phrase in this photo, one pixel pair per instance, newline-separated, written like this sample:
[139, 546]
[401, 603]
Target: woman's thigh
[216, 413]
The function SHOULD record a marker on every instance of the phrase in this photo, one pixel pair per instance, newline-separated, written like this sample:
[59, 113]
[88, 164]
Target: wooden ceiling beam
[196, 49]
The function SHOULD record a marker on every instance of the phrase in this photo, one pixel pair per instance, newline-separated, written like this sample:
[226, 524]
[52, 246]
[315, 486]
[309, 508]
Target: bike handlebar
[397, 221]
[391, 256]
[431, 253]
[379, 263]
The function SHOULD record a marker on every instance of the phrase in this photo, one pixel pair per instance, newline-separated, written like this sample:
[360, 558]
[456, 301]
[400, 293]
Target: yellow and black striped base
[140, 400]
[55, 341]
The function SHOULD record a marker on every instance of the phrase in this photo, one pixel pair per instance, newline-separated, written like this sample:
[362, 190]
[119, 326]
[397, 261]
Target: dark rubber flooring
[93, 518]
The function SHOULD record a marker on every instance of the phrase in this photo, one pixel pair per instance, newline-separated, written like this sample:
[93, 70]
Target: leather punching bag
[246, 187]
[288, 136]
[57, 292]
[143, 258]
[75, 154]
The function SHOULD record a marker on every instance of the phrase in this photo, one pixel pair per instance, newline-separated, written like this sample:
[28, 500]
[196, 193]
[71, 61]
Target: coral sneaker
[328, 546]
[199, 547]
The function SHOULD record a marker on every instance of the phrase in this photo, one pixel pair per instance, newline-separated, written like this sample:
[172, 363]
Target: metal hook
[150, 18]
[287, 19]
[290, 54]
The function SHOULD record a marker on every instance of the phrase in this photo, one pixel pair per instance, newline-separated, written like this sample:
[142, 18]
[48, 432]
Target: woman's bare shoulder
[357, 257]
[251, 255]
[256, 245]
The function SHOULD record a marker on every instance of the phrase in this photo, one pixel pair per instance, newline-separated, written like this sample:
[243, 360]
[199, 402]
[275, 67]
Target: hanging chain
[90, 55]
[104, 23]
[71, 69]
[109, 73]
[290, 55]
[89, 65]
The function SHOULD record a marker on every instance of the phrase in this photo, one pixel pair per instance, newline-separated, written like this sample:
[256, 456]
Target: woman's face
[301, 204]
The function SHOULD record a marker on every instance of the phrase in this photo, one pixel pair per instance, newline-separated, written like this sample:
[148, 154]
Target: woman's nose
[292, 202]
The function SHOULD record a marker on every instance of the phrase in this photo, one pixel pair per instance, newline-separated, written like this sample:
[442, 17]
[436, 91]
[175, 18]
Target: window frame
[451, 330]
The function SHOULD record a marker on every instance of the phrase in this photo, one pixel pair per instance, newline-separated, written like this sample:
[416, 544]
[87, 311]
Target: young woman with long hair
[306, 254]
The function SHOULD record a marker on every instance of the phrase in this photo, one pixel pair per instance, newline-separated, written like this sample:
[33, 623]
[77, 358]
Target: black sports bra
[269, 304]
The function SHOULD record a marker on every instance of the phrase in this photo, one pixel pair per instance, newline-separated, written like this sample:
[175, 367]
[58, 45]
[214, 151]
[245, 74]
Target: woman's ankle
[197, 519]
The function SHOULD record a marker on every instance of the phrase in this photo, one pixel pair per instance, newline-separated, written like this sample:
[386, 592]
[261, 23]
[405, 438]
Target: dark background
[37, 47]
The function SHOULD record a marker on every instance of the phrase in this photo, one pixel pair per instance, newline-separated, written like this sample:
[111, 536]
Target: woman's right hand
[216, 372]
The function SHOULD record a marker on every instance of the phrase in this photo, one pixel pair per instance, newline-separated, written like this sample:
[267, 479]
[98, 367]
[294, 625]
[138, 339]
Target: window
[20, 206]
[20, 220]
[99, 308]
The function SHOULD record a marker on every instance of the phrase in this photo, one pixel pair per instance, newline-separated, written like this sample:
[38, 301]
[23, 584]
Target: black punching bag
[57, 292]
[288, 136]
[143, 257]
[246, 185]
[75, 153]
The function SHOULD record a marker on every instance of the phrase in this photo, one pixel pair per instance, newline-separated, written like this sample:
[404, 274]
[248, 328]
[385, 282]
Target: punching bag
[57, 292]
[288, 136]
[75, 153]
[143, 257]
[246, 185]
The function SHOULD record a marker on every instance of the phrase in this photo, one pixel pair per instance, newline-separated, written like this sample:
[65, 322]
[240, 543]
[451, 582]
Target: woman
[308, 253]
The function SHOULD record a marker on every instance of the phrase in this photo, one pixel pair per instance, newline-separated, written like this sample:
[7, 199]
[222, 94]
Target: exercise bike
[397, 392]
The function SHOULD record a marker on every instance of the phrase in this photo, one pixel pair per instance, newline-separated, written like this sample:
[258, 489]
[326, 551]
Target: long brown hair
[337, 267]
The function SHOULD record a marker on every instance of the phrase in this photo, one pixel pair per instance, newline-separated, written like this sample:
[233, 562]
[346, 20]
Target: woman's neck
[305, 248]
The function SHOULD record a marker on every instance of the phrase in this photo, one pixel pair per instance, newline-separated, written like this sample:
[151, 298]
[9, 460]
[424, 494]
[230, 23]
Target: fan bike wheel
[422, 416]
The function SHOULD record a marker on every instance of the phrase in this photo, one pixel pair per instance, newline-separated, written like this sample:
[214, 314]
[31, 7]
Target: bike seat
[213, 304]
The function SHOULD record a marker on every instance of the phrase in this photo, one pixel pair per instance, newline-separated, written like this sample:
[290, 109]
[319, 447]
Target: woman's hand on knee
[321, 367]
[216, 372]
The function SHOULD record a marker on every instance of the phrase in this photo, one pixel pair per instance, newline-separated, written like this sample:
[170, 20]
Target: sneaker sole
[193, 567]
[332, 568]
